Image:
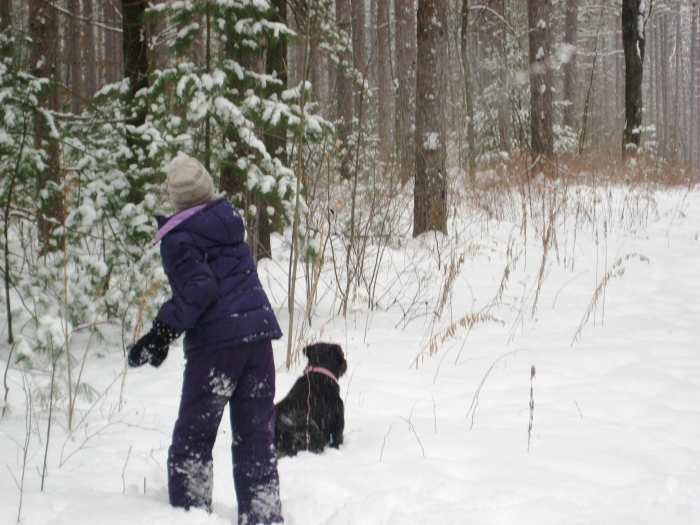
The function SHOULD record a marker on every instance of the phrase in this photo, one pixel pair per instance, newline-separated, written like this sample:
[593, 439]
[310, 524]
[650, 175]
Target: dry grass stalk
[616, 270]
[532, 406]
[467, 322]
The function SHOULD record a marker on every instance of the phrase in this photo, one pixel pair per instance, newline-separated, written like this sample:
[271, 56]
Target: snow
[616, 428]
[431, 141]
[565, 53]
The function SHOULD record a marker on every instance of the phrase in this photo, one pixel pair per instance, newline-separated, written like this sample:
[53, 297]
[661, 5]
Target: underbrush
[360, 266]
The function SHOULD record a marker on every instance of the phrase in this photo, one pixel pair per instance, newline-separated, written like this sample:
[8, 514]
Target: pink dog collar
[320, 370]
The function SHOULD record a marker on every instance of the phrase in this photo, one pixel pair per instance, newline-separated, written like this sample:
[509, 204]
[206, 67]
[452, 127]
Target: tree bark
[430, 193]
[135, 49]
[359, 56]
[504, 125]
[5, 24]
[344, 87]
[405, 43]
[634, 40]
[570, 72]
[677, 117]
[385, 83]
[540, 83]
[694, 76]
[275, 138]
[73, 43]
[43, 30]
[89, 60]
[467, 85]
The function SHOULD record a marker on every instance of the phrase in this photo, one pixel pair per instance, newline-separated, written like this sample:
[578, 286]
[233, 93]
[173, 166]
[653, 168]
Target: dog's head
[328, 356]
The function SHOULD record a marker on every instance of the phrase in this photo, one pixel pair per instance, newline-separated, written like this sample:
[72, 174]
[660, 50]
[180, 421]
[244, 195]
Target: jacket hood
[218, 222]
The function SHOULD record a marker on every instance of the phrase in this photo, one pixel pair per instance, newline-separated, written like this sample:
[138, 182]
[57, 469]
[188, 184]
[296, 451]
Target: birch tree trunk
[405, 43]
[430, 193]
[634, 40]
[542, 139]
[385, 83]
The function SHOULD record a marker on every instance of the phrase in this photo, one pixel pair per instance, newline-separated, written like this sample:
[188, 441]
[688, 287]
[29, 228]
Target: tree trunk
[359, 56]
[467, 85]
[430, 194]
[570, 73]
[633, 39]
[5, 24]
[694, 92]
[135, 46]
[275, 138]
[89, 60]
[540, 83]
[344, 89]
[666, 84]
[385, 83]
[677, 117]
[158, 47]
[43, 30]
[76, 70]
[405, 43]
[504, 127]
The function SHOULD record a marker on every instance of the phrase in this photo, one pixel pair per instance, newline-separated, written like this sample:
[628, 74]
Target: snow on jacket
[217, 298]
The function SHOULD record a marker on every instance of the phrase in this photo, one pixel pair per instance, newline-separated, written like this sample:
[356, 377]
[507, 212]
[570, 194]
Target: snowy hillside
[609, 319]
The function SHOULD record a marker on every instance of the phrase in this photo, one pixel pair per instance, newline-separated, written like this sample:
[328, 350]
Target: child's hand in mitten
[153, 347]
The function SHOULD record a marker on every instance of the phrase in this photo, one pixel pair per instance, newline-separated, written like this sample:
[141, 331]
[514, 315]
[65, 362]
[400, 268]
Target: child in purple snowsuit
[220, 305]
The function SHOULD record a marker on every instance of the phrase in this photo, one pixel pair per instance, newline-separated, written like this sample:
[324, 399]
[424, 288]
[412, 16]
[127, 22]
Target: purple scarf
[175, 221]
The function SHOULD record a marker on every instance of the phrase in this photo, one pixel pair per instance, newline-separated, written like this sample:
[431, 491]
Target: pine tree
[248, 108]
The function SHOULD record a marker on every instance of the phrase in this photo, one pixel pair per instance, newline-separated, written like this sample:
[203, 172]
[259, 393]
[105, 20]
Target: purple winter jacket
[217, 298]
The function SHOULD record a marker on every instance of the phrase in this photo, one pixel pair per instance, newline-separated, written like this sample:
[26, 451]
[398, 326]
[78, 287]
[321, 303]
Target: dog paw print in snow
[221, 384]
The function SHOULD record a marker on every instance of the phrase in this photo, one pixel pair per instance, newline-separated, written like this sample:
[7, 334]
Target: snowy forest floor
[442, 439]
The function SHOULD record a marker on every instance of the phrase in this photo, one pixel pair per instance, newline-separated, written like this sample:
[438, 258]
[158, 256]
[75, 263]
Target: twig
[4, 380]
[126, 462]
[413, 429]
[27, 440]
[54, 359]
[386, 436]
[475, 399]
[532, 406]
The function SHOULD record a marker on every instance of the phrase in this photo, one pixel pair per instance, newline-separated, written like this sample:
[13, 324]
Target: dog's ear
[341, 365]
[314, 353]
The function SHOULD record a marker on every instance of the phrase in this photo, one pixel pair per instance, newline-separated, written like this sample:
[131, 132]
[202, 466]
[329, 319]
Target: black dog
[312, 416]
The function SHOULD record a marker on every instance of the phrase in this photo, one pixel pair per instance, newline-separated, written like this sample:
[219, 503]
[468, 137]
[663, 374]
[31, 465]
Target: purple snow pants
[244, 377]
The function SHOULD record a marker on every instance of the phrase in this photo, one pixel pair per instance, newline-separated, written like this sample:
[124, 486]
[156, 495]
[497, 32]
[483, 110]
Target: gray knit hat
[189, 183]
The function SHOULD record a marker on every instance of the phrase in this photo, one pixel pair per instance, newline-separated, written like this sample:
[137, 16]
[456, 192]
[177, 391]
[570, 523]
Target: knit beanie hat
[189, 183]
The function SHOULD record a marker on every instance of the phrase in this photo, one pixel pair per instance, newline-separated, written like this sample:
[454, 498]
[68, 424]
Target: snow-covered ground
[616, 430]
